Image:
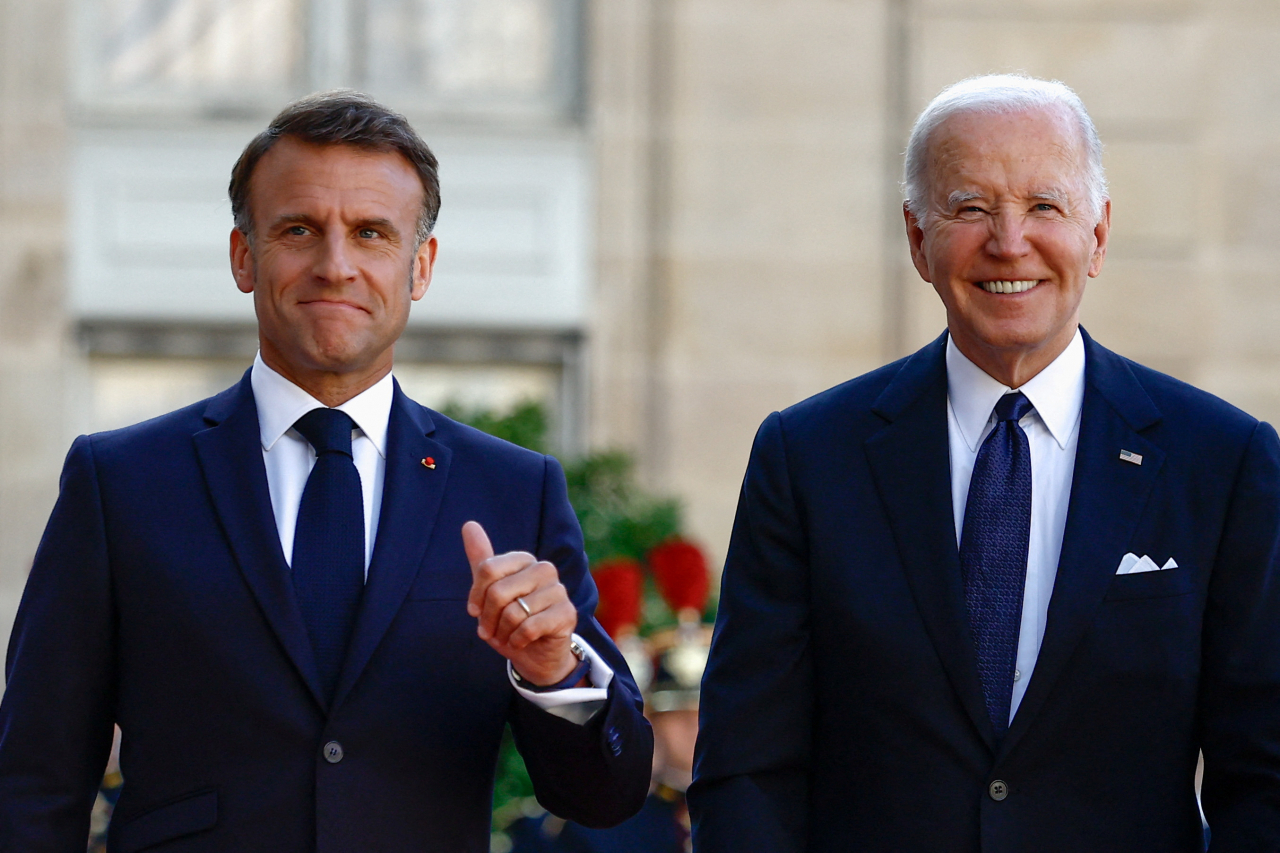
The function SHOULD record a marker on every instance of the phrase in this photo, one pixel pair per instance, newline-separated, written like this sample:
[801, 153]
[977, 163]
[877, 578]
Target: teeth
[1008, 286]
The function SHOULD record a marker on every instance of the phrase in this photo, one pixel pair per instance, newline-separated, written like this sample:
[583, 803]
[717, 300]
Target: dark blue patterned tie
[328, 542]
[993, 552]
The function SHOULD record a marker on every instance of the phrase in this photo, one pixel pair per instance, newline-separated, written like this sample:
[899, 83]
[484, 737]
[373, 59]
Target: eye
[1044, 207]
[296, 231]
[368, 234]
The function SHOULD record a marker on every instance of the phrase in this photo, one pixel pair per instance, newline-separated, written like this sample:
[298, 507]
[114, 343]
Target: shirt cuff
[575, 704]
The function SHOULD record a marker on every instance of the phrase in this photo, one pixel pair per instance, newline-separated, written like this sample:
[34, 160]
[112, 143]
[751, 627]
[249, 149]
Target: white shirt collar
[280, 404]
[1057, 392]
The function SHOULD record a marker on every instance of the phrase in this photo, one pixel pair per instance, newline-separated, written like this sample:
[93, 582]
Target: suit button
[998, 790]
[333, 752]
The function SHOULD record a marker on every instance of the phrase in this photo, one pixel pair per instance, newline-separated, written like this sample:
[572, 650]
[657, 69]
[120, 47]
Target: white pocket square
[1131, 564]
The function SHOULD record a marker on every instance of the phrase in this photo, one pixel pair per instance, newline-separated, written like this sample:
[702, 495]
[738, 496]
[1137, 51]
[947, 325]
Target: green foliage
[512, 788]
[525, 425]
[617, 519]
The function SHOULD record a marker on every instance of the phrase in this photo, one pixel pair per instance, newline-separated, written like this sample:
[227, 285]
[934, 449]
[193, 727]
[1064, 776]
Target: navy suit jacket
[160, 599]
[656, 829]
[842, 708]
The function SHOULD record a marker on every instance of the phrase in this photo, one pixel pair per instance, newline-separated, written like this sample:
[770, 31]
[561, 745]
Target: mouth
[331, 304]
[1008, 286]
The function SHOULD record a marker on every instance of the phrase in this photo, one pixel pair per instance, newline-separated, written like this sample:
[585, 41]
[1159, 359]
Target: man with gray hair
[999, 595]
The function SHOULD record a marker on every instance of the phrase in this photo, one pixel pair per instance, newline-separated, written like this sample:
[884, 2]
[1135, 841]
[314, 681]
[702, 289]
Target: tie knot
[1013, 407]
[328, 430]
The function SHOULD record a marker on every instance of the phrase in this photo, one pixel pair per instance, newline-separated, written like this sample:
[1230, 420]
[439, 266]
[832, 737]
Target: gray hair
[999, 94]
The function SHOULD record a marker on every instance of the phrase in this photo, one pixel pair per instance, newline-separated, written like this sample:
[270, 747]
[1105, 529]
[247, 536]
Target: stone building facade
[721, 182]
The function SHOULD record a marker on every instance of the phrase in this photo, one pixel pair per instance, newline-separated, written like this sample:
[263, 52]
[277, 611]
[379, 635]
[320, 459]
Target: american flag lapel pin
[431, 463]
[1130, 456]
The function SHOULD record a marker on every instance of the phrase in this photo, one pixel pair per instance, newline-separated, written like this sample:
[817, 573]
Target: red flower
[680, 572]
[619, 580]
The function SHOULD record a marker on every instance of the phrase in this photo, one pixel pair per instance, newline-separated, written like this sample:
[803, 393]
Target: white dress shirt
[289, 459]
[1053, 430]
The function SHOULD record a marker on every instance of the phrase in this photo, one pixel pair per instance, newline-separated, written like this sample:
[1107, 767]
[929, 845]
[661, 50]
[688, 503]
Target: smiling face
[333, 266]
[1008, 238]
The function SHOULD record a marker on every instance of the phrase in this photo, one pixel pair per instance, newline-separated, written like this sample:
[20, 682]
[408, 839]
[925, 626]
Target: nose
[334, 262]
[1008, 238]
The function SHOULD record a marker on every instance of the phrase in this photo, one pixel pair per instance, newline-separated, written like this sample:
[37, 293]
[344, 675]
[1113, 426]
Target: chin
[337, 356]
[1016, 342]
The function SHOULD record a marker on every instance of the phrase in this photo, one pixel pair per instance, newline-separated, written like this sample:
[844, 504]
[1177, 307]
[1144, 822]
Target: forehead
[1020, 153]
[294, 171]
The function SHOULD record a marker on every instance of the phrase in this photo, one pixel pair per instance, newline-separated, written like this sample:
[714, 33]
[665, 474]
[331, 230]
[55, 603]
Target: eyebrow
[289, 219]
[960, 197]
[1057, 196]
[379, 222]
[1054, 195]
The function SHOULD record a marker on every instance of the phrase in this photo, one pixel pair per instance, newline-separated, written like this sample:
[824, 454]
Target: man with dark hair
[998, 595]
[340, 117]
[288, 596]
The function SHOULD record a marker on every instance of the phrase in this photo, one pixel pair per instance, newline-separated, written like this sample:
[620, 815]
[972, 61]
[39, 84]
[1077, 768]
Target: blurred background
[662, 218]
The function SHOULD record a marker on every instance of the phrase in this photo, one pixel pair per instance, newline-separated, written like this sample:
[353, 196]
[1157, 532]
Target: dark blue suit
[160, 598]
[842, 708]
[656, 829]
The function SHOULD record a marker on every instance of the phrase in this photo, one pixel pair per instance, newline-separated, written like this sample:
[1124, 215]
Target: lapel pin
[1130, 456]
[431, 463]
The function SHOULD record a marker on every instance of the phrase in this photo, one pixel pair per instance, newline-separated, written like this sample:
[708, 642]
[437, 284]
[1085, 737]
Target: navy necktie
[328, 541]
[993, 553]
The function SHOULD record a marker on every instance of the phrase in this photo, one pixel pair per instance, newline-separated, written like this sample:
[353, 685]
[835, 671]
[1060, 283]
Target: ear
[1101, 233]
[242, 261]
[424, 263]
[917, 238]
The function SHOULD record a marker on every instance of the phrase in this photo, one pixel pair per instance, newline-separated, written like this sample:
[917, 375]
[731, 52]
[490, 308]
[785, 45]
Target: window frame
[330, 56]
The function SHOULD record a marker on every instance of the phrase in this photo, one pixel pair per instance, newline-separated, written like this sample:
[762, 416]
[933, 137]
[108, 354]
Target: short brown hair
[339, 117]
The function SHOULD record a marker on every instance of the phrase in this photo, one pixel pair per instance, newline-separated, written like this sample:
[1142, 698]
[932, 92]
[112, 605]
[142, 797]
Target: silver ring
[524, 605]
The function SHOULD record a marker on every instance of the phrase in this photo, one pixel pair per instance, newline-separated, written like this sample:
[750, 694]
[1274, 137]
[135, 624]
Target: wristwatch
[579, 672]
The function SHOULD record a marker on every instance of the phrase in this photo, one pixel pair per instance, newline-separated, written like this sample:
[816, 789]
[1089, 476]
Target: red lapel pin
[429, 463]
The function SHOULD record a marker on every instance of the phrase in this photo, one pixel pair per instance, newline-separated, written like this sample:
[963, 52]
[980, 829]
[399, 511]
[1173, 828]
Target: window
[193, 45]
[492, 58]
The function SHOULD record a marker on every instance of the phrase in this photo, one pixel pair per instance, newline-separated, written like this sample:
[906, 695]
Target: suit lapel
[411, 497]
[230, 453]
[1108, 496]
[911, 462]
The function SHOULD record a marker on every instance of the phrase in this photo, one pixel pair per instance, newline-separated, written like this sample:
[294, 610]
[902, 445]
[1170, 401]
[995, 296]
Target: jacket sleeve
[751, 770]
[57, 714]
[1240, 668]
[596, 774]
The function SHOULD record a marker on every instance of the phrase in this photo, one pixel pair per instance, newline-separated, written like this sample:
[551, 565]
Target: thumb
[476, 543]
